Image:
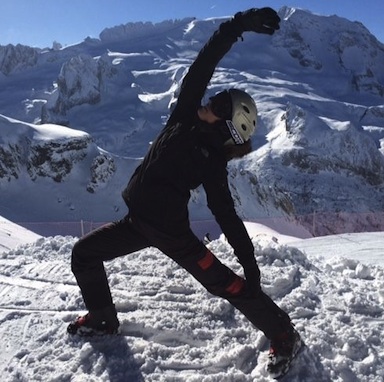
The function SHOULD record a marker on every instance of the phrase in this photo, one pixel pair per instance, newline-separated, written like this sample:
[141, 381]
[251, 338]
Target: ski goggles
[221, 105]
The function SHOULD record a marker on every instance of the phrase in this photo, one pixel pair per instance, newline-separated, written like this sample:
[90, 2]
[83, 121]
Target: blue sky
[40, 22]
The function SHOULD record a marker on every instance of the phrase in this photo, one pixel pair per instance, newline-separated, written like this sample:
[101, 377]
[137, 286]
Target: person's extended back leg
[221, 281]
[218, 279]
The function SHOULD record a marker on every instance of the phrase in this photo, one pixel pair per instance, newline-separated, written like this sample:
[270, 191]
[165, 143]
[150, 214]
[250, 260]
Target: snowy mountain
[318, 153]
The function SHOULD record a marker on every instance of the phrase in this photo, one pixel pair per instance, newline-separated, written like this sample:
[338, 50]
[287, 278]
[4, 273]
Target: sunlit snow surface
[173, 330]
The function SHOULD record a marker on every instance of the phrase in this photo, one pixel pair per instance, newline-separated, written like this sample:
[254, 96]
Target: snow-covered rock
[350, 150]
[17, 57]
[43, 151]
[80, 82]
[351, 48]
[139, 30]
[102, 169]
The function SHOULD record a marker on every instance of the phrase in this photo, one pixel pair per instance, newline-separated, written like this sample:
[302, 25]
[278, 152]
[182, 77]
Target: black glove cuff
[237, 24]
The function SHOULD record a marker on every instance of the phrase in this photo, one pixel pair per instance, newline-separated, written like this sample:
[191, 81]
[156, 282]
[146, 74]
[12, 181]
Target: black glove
[252, 277]
[263, 20]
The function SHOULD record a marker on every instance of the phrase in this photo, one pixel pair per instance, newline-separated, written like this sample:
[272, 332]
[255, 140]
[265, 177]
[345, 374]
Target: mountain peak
[318, 83]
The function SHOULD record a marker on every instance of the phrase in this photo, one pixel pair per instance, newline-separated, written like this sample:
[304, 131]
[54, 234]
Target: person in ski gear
[192, 150]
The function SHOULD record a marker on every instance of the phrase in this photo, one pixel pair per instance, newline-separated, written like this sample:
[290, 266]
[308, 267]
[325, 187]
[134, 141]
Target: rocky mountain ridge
[318, 82]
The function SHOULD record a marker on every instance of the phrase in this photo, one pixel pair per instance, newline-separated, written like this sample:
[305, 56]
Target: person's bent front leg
[89, 253]
[90, 275]
[88, 256]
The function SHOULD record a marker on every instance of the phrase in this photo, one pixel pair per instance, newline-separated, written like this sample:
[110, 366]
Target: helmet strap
[237, 138]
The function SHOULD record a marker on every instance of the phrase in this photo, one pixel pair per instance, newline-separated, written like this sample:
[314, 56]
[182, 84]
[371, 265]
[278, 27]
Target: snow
[321, 120]
[114, 92]
[12, 235]
[45, 132]
[173, 330]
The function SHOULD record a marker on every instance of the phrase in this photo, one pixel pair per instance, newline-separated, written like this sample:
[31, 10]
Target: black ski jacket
[189, 153]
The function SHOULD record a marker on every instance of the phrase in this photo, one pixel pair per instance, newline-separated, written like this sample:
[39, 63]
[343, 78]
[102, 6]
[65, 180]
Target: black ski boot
[283, 350]
[95, 323]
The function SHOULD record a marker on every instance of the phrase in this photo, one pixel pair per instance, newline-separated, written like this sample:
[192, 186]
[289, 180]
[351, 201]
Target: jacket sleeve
[200, 72]
[221, 204]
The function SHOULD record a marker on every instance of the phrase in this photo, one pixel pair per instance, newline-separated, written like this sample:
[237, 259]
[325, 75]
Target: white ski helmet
[239, 111]
[242, 125]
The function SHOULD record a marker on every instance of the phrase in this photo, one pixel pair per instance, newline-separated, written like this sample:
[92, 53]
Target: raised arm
[264, 20]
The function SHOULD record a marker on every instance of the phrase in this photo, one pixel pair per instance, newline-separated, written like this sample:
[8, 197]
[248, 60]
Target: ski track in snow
[173, 330]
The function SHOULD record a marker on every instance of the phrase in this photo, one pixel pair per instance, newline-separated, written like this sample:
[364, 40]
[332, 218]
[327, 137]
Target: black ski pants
[129, 235]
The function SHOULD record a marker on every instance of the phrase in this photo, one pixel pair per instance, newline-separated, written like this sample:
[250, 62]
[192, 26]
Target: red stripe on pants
[236, 286]
[206, 261]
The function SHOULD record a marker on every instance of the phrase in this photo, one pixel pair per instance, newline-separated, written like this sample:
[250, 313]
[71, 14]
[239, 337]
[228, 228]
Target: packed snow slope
[318, 151]
[12, 235]
[172, 330]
